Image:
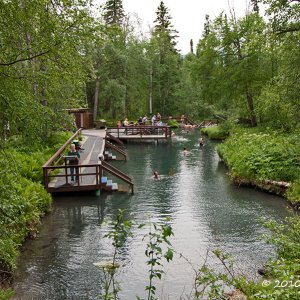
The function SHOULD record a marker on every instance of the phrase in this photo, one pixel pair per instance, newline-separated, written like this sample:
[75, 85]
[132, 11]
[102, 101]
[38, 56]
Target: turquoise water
[206, 211]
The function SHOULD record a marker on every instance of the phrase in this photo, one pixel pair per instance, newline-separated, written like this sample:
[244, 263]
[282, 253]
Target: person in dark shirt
[74, 162]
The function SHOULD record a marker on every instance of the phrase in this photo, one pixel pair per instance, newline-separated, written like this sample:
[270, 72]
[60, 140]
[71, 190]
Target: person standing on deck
[153, 120]
[145, 120]
[74, 162]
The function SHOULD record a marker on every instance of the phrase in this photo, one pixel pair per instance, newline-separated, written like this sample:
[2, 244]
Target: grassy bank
[264, 157]
[23, 198]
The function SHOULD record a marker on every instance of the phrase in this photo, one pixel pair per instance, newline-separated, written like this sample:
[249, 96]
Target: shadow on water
[206, 211]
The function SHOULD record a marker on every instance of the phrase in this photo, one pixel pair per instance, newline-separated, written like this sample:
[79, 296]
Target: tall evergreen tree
[164, 61]
[255, 5]
[114, 12]
[163, 25]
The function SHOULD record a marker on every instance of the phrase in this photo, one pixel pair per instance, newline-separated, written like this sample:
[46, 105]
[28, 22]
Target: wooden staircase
[109, 156]
[108, 185]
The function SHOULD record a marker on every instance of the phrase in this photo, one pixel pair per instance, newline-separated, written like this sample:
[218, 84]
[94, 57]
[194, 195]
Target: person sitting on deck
[77, 144]
[100, 157]
[74, 162]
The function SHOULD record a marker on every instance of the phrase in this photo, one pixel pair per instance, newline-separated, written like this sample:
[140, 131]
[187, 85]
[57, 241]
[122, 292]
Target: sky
[188, 16]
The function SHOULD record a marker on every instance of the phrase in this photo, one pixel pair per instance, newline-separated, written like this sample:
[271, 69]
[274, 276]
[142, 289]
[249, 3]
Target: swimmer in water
[185, 152]
[201, 142]
[155, 175]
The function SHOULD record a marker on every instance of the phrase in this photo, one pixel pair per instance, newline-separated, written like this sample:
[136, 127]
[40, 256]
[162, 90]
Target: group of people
[155, 120]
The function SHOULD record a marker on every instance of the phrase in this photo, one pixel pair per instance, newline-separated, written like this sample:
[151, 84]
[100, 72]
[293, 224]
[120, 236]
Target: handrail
[117, 173]
[110, 136]
[112, 146]
[61, 149]
[142, 130]
[107, 165]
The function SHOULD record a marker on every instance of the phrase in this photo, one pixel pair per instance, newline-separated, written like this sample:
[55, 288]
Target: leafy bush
[22, 204]
[217, 132]
[173, 123]
[261, 156]
[293, 193]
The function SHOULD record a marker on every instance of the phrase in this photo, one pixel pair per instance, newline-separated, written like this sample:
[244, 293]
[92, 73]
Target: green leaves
[158, 236]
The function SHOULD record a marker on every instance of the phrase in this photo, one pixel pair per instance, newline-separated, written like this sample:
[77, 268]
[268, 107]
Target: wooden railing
[140, 131]
[113, 138]
[58, 156]
[65, 175]
[116, 172]
[56, 169]
[117, 149]
[92, 183]
[181, 120]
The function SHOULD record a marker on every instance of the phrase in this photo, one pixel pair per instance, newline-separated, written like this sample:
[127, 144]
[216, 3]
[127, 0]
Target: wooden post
[46, 180]
[66, 171]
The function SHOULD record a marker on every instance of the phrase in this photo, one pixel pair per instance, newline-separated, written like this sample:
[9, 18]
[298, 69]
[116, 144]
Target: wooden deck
[140, 133]
[57, 174]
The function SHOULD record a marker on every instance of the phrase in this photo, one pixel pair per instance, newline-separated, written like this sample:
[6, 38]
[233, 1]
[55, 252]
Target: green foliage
[23, 198]
[23, 203]
[158, 236]
[261, 156]
[119, 233]
[293, 193]
[6, 294]
[282, 273]
[173, 123]
[216, 132]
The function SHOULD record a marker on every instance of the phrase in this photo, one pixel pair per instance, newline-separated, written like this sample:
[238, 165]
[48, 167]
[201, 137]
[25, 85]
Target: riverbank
[263, 159]
[24, 200]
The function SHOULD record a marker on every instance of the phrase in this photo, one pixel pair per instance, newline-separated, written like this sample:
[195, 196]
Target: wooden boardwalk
[91, 173]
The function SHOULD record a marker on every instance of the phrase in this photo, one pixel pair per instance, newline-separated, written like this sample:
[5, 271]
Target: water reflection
[207, 211]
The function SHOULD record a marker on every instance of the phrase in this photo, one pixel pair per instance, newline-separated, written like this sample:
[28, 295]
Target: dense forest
[63, 54]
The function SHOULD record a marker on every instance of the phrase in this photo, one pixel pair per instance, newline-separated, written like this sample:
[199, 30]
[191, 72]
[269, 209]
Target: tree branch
[25, 58]
[288, 30]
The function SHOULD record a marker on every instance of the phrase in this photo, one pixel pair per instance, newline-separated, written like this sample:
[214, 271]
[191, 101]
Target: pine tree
[163, 26]
[255, 5]
[114, 12]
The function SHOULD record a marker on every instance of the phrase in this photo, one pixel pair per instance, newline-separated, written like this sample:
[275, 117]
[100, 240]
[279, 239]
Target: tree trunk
[96, 98]
[251, 107]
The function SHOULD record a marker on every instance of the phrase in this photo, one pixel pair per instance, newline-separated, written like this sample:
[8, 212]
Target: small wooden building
[83, 117]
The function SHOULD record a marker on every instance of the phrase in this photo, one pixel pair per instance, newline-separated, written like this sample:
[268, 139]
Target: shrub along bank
[23, 198]
[270, 160]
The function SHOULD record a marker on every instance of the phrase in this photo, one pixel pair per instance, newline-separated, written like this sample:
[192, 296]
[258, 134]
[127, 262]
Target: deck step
[103, 179]
[114, 186]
